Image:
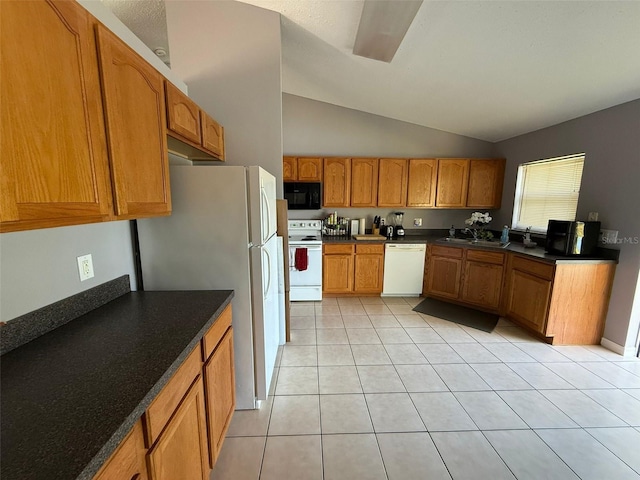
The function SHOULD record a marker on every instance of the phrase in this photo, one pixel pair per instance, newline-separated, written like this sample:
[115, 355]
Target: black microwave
[569, 238]
[303, 195]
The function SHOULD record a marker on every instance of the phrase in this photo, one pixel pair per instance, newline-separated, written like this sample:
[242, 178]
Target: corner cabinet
[486, 179]
[133, 94]
[54, 167]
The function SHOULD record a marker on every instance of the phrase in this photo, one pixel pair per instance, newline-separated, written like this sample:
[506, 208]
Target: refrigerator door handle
[268, 289]
[265, 231]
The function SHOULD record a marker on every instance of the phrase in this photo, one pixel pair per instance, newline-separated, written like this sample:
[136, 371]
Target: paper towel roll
[361, 228]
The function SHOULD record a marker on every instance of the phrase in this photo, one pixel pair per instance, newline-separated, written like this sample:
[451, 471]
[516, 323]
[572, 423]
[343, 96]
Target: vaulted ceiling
[486, 69]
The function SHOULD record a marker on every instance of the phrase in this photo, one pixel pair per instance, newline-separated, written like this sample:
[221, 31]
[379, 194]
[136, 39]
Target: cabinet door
[392, 182]
[421, 188]
[53, 165]
[309, 169]
[486, 177]
[453, 178]
[337, 273]
[289, 169]
[482, 284]
[369, 271]
[181, 451]
[183, 115]
[336, 182]
[364, 182]
[136, 130]
[528, 299]
[212, 135]
[221, 393]
[128, 461]
[444, 276]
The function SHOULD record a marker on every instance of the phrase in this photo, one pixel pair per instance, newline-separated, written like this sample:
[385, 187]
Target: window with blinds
[547, 189]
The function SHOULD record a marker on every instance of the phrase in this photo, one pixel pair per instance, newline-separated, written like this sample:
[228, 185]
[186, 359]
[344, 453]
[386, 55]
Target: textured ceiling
[145, 18]
[487, 69]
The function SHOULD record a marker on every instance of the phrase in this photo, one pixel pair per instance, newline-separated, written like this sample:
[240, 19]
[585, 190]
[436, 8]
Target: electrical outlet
[85, 267]
[417, 222]
[593, 217]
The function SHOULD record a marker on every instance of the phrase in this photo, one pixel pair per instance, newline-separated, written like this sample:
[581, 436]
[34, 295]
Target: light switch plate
[85, 267]
[593, 217]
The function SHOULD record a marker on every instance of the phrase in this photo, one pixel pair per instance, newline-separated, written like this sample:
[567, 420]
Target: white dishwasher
[403, 269]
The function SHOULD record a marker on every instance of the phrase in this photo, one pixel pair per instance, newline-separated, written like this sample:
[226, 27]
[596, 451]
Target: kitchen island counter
[69, 397]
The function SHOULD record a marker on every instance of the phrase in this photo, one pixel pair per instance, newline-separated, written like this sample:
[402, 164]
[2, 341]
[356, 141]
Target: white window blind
[547, 189]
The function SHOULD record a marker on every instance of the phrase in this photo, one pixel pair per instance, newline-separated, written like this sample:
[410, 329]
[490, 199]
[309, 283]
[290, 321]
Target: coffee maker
[399, 229]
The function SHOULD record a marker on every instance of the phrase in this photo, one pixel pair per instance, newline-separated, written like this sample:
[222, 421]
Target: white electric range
[305, 237]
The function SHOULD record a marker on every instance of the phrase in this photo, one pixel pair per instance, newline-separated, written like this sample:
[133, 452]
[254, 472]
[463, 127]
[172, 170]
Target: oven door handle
[308, 247]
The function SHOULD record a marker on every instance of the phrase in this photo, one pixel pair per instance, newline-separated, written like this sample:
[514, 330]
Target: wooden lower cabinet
[221, 397]
[337, 268]
[566, 303]
[444, 271]
[527, 300]
[128, 461]
[181, 433]
[181, 451]
[369, 269]
[472, 277]
[352, 269]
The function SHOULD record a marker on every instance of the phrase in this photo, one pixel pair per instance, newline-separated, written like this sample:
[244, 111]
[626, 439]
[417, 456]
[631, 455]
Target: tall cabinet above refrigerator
[222, 236]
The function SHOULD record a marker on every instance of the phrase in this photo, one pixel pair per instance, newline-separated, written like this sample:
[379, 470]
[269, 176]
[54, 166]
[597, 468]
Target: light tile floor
[369, 389]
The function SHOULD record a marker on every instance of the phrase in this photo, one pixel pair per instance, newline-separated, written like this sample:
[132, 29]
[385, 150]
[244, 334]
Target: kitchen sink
[479, 243]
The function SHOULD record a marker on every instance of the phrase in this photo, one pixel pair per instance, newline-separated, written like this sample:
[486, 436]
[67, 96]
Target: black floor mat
[458, 314]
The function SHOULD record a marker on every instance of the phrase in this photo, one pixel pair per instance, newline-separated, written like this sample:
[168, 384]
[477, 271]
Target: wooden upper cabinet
[133, 95]
[212, 135]
[392, 182]
[486, 178]
[289, 169]
[183, 115]
[364, 182]
[309, 169]
[53, 165]
[421, 188]
[453, 179]
[336, 185]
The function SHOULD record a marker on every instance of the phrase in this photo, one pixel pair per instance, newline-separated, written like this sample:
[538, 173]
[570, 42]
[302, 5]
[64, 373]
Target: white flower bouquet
[476, 225]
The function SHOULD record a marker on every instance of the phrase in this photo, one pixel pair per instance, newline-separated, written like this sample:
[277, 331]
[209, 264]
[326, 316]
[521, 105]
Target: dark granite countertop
[438, 237]
[69, 397]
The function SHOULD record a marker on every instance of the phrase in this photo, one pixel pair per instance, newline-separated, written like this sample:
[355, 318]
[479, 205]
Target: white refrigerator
[221, 235]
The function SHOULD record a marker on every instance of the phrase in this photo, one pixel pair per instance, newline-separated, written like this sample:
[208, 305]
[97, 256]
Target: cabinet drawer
[216, 332]
[543, 270]
[161, 409]
[440, 251]
[128, 461]
[338, 248]
[486, 257]
[371, 249]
